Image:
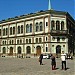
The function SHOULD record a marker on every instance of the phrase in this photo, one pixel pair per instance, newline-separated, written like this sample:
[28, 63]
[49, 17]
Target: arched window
[57, 25]
[29, 40]
[21, 28]
[26, 40]
[40, 40]
[31, 27]
[37, 27]
[40, 24]
[12, 41]
[4, 50]
[3, 42]
[4, 32]
[13, 30]
[62, 25]
[27, 28]
[10, 30]
[18, 29]
[36, 40]
[52, 25]
[0, 32]
[20, 41]
[17, 41]
[58, 39]
[19, 50]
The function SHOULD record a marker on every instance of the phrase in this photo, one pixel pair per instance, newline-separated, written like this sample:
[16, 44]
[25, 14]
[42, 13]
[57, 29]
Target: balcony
[58, 32]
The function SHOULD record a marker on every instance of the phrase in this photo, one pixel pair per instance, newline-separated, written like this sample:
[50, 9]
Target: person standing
[41, 57]
[53, 62]
[63, 60]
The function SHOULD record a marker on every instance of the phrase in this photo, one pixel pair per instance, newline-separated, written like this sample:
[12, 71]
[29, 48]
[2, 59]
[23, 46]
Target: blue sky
[12, 8]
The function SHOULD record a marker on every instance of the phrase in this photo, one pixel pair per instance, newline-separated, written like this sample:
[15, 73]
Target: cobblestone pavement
[30, 66]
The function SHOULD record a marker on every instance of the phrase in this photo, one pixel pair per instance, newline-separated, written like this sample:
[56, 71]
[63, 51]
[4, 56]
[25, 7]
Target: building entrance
[11, 51]
[58, 50]
[38, 50]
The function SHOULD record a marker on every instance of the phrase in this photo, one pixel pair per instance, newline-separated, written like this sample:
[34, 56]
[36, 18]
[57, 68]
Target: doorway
[11, 51]
[38, 50]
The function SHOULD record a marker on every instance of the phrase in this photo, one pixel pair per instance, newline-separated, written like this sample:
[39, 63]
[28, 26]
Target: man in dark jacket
[41, 57]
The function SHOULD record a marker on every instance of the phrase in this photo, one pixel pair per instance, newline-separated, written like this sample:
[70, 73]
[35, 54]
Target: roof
[41, 12]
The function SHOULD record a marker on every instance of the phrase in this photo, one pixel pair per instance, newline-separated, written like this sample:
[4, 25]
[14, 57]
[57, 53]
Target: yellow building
[43, 32]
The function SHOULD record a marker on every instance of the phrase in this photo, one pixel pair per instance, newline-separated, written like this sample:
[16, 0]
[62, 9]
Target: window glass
[57, 25]
[0, 32]
[36, 40]
[18, 29]
[37, 27]
[62, 25]
[13, 30]
[26, 40]
[29, 40]
[58, 39]
[46, 49]
[40, 40]
[10, 30]
[46, 23]
[6, 31]
[31, 27]
[17, 41]
[46, 38]
[27, 28]
[21, 28]
[20, 41]
[4, 50]
[40, 24]
[52, 25]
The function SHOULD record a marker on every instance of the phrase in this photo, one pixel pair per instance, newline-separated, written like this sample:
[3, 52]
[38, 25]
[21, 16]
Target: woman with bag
[53, 62]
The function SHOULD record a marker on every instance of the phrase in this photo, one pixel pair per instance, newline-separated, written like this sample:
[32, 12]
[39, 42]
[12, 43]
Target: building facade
[35, 33]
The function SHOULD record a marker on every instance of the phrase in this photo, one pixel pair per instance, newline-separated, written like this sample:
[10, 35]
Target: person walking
[53, 62]
[40, 59]
[63, 60]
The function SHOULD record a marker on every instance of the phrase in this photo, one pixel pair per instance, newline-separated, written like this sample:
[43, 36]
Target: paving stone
[30, 66]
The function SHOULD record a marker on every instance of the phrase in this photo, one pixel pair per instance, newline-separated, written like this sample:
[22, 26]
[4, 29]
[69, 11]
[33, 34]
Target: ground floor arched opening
[28, 50]
[38, 50]
[11, 51]
[19, 50]
[58, 50]
[4, 50]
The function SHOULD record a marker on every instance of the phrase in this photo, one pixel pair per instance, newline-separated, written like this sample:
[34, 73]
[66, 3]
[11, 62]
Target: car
[69, 57]
[46, 56]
